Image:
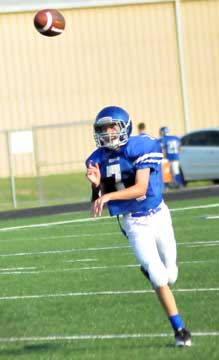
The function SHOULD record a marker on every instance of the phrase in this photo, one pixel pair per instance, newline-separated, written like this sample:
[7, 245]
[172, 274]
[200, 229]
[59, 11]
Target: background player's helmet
[164, 131]
[112, 115]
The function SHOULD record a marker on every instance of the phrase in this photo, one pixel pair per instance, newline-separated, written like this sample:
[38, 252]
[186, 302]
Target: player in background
[141, 128]
[142, 132]
[170, 145]
[124, 173]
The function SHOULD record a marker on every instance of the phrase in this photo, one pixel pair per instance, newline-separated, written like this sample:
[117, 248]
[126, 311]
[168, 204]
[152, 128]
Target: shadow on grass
[28, 349]
[73, 348]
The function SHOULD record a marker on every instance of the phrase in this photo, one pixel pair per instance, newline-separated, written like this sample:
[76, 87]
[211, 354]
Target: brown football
[49, 22]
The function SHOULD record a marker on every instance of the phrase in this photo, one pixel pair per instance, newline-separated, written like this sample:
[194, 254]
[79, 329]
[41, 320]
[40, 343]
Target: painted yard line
[104, 248]
[61, 237]
[37, 272]
[100, 293]
[100, 337]
[79, 236]
[199, 261]
[196, 207]
[18, 268]
[212, 217]
[132, 265]
[95, 219]
[53, 223]
[90, 268]
[198, 242]
[65, 251]
[204, 245]
[80, 260]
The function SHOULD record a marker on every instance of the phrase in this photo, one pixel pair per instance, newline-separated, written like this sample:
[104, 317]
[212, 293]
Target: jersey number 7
[115, 170]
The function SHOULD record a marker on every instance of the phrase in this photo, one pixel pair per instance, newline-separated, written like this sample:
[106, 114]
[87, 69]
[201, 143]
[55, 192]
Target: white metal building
[158, 59]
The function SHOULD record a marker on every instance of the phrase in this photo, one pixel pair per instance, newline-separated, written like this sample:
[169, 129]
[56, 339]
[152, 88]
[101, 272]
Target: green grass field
[71, 289]
[56, 189]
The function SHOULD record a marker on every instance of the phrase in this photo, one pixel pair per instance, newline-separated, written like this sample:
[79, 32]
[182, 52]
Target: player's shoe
[183, 338]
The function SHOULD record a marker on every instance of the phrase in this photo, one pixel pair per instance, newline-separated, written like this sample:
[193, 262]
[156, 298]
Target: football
[49, 22]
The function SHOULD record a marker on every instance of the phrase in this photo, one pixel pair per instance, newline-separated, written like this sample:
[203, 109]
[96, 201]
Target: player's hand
[98, 205]
[93, 173]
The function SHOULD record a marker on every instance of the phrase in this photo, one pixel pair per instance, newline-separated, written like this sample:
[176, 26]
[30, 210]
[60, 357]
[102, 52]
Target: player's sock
[179, 179]
[176, 322]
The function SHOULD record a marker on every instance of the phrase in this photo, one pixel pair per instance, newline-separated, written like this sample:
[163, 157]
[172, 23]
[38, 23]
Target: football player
[141, 128]
[170, 146]
[125, 174]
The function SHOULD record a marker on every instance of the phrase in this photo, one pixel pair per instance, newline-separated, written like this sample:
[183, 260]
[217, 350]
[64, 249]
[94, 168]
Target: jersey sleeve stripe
[151, 157]
[150, 161]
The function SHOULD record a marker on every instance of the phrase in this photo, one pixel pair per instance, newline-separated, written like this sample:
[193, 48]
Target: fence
[32, 156]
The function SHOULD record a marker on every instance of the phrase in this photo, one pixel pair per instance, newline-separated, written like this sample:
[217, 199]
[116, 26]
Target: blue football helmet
[112, 115]
[164, 131]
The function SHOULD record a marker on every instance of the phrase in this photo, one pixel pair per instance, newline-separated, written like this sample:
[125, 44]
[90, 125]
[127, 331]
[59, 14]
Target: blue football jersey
[170, 144]
[118, 170]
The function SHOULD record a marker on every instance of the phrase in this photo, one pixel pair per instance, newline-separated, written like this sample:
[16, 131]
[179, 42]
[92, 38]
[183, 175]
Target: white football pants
[153, 242]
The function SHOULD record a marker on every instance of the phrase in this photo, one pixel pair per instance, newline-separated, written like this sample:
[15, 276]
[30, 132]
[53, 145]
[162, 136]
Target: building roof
[33, 5]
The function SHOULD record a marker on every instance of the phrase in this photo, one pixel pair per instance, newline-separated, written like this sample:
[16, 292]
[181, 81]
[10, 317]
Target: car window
[213, 138]
[202, 138]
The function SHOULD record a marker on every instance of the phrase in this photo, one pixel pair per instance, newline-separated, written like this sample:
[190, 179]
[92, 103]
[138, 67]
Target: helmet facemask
[110, 139]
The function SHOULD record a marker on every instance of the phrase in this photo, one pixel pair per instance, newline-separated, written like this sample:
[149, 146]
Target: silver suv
[199, 155]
